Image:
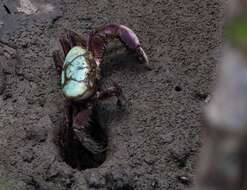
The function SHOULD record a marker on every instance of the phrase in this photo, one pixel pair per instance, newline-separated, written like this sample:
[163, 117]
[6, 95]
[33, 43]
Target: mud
[154, 143]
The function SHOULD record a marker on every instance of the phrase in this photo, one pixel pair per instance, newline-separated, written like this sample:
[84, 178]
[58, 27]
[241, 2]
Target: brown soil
[155, 141]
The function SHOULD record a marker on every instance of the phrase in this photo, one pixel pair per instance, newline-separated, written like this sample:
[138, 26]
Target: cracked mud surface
[158, 136]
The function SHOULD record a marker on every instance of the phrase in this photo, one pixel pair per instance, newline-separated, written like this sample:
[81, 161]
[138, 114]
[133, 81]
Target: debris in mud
[202, 96]
[7, 9]
[27, 7]
[184, 179]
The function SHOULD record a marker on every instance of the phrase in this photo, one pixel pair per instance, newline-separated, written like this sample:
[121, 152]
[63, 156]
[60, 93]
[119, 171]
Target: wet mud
[155, 141]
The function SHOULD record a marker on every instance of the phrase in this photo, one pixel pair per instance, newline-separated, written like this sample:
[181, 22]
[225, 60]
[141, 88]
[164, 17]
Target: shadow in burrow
[74, 153]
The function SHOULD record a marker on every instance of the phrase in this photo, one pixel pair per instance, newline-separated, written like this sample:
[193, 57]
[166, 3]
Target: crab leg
[81, 126]
[71, 39]
[116, 91]
[77, 124]
[66, 133]
[66, 45]
[76, 39]
[98, 39]
[80, 120]
[58, 60]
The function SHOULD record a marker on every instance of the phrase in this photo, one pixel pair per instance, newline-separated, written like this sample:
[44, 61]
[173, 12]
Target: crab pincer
[98, 39]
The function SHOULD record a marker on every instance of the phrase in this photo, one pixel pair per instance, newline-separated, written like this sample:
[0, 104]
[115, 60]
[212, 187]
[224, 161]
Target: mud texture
[154, 142]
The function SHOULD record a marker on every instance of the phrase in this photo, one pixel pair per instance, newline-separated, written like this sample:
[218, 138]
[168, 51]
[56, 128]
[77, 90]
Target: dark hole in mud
[78, 156]
[6, 9]
[178, 88]
[201, 96]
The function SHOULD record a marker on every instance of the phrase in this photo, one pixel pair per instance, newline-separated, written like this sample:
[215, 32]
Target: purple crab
[79, 70]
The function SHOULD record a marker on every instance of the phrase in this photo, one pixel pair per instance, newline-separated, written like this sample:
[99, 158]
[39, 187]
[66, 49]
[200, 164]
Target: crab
[79, 71]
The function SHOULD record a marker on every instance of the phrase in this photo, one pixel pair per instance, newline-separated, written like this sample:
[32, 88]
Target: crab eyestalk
[98, 40]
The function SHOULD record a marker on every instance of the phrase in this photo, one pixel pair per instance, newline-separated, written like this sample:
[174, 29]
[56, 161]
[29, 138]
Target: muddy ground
[155, 140]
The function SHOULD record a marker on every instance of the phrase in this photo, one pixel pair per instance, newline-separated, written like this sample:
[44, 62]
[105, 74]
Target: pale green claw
[75, 73]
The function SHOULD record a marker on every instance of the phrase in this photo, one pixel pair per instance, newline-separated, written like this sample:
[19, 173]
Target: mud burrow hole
[91, 153]
[178, 88]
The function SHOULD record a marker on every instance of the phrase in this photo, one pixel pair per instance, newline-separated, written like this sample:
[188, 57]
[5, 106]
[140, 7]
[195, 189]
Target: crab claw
[143, 57]
[98, 38]
[129, 38]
